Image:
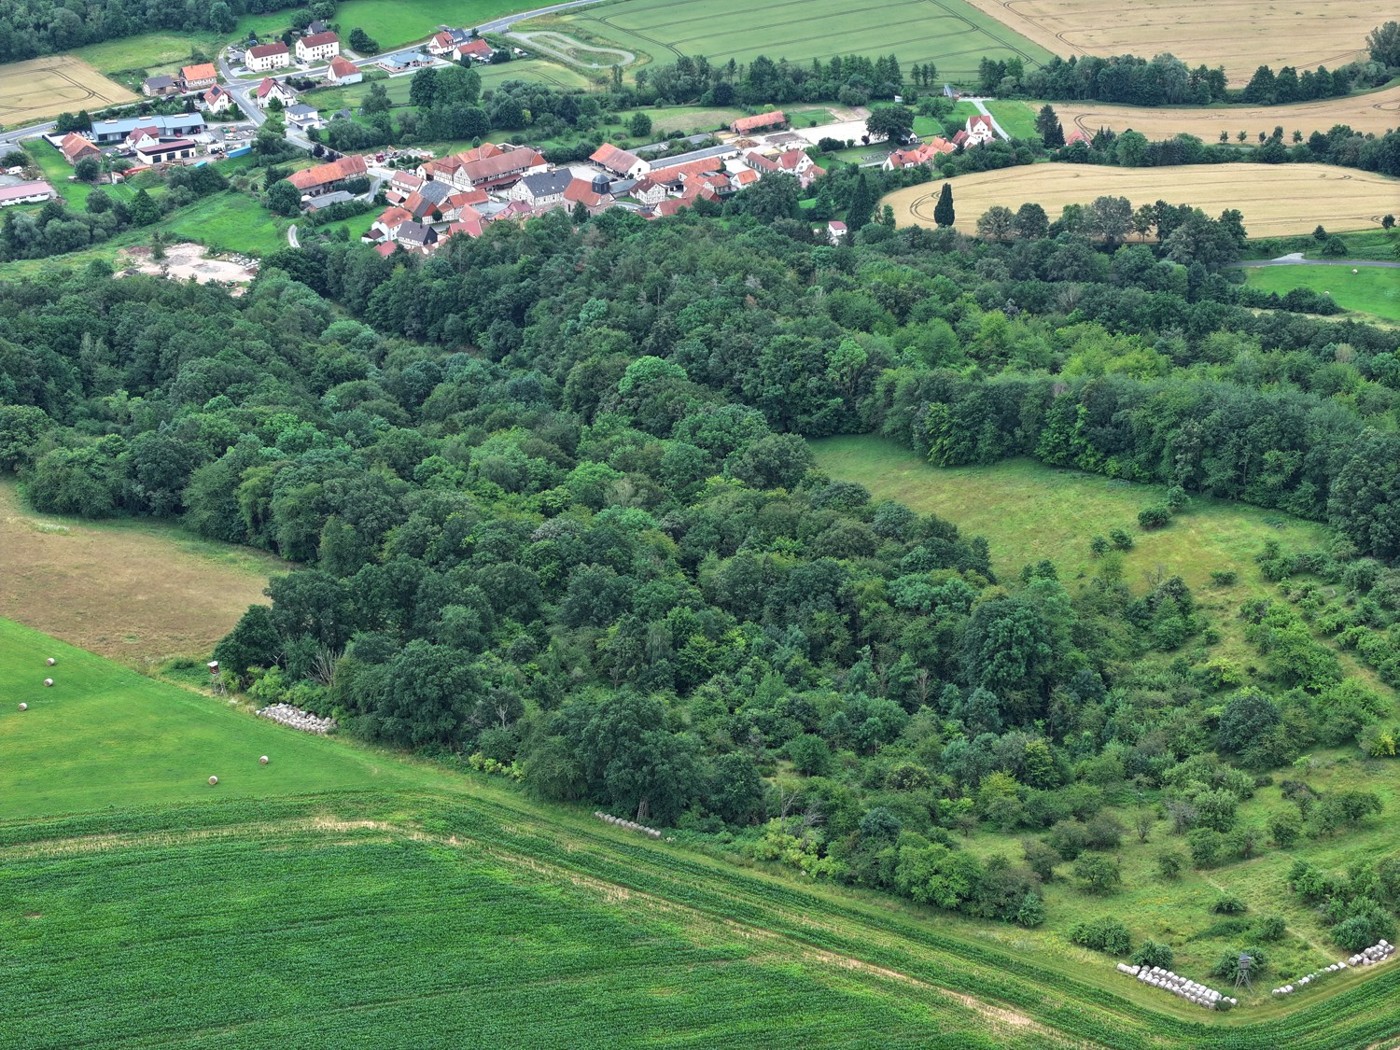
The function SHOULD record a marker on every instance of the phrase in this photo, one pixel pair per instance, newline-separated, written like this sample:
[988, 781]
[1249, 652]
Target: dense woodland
[555, 512]
[29, 28]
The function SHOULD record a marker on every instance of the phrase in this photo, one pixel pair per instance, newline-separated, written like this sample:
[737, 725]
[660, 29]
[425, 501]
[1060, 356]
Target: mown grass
[229, 221]
[1371, 290]
[952, 34]
[394, 23]
[495, 903]
[1016, 118]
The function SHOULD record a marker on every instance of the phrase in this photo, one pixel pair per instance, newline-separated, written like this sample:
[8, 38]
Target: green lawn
[1016, 118]
[57, 170]
[952, 34]
[230, 221]
[1371, 290]
[153, 51]
[394, 23]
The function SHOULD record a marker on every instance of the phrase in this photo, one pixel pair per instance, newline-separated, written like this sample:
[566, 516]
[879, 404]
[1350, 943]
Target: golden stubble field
[1374, 113]
[45, 87]
[138, 592]
[1240, 35]
[1276, 199]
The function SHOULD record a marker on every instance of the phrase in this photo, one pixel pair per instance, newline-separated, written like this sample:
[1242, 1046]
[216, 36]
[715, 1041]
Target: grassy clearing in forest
[1371, 290]
[138, 591]
[1276, 200]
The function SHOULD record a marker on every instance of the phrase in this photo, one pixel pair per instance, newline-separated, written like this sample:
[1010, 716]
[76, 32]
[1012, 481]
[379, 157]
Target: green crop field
[949, 33]
[1371, 290]
[344, 896]
[394, 23]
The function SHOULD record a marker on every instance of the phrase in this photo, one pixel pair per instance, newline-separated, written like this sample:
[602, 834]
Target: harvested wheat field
[45, 87]
[134, 591]
[1276, 200]
[1240, 35]
[1375, 113]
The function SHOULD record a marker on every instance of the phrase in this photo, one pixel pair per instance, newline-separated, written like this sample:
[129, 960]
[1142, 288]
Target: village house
[263, 58]
[26, 193]
[404, 61]
[303, 116]
[979, 130]
[797, 163]
[199, 76]
[748, 125]
[165, 152]
[427, 201]
[342, 71]
[925, 154]
[176, 125]
[401, 185]
[648, 191]
[161, 87]
[462, 202]
[216, 100]
[271, 89]
[475, 50]
[543, 189]
[619, 162]
[136, 138]
[446, 40]
[325, 178]
[416, 237]
[470, 224]
[386, 227]
[74, 148]
[502, 167]
[835, 232]
[318, 47]
[581, 191]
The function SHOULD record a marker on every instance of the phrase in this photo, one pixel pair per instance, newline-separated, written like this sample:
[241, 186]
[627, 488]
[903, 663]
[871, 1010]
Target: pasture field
[1371, 290]
[139, 904]
[950, 33]
[139, 592]
[1017, 119]
[1276, 199]
[394, 23]
[1373, 113]
[1240, 35]
[1042, 512]
[230, 221]
[42, 88]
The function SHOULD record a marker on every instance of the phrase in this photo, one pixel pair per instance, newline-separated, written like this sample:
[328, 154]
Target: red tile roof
[267, 50]
[343, 67]
[325, 174]
[317, 39]
[203, 71]
[618, 161]
[744, 125]
[74, 147]
[508, 163]
[580, 191]
[475, 48]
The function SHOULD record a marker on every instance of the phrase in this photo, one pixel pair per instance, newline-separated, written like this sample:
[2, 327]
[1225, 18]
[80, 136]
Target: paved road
[1296, 259]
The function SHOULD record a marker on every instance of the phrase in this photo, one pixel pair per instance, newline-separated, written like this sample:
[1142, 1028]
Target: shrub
[1154, 953]
[1170, 865]
[1364, 930]
[1226, 904]
[1224, 577]
[1228, 965]
[1099, 874]
[1207, 847]
[1031, 913]
[1154, 517]
[1120, 539]
[1270, 928]
[1041, 859]
[1102, 935]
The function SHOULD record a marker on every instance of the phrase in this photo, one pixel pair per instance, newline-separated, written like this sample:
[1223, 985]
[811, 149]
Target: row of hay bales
[296, 718]
[629, 825]
[1377, 953]
[1182, 987]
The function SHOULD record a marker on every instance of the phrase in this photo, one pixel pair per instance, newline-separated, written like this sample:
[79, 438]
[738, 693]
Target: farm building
[160, 87]
[619, 162]
[476, 50]
[324, 178]
[74, 148]
[543, 188]
[342, 71]
[403, 61]
[106, 132]
[199, 76]
[318, 47]
[166, 152]
[26, 193]
[748, 125]
[266, 57]
[924, 154]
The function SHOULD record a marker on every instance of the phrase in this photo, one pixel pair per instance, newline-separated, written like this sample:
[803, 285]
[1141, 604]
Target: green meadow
[1372, 290]
[950, 33]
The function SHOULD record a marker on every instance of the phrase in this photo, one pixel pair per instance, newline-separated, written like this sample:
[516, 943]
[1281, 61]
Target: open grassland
[1374, 113]
[1016, 118]
[136, 591]
[394, 23]
[230, 221]
[1276, 199]
[42, 88]
[1029, 512]
[1371, 290]
[1240, 35]
[342, 896]
[950, 33]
